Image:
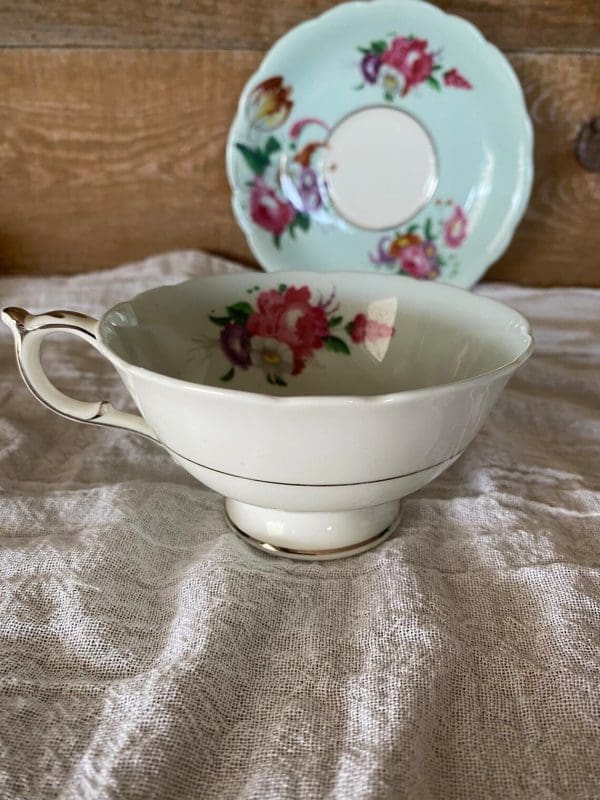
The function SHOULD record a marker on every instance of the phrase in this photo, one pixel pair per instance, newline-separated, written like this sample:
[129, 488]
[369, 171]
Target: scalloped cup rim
[327, 399]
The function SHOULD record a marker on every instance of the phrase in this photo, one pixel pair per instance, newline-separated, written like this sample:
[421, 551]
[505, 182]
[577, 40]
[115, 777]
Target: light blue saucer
[448, 194]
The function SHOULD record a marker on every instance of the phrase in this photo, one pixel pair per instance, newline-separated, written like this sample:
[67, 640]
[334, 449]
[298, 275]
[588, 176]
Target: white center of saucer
[380, 167]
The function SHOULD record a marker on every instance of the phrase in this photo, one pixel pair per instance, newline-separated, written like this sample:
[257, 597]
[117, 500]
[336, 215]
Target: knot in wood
[587, 145]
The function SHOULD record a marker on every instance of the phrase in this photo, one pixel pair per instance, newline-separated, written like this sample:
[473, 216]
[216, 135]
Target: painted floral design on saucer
[385, 136]
[402, 63]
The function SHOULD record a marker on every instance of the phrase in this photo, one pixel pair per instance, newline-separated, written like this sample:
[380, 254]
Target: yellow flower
[269, 104]
[402, 241]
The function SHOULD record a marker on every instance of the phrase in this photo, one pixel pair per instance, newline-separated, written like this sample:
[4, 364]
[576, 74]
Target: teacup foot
[312, 535]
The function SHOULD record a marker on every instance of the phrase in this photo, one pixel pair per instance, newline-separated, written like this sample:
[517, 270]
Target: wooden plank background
[113, 118]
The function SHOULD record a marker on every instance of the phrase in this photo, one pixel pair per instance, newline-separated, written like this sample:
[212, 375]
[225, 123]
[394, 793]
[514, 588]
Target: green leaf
[389, 97]
[434, 83]
[239, 312]
[364, 50]
[277, 240]
[335, 321]
[302, 220]
[412, 228]
[359, 86]
[379, 47]
[336, 345]
[282, 288]
[271, 146]
[279, 381]
[270, 380]
[228, 375]
[291, 230]
[219, 320]
[436, 67]
[256, 159]
[428, 230]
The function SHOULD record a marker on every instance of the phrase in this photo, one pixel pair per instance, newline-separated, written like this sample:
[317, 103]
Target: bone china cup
[312, 402]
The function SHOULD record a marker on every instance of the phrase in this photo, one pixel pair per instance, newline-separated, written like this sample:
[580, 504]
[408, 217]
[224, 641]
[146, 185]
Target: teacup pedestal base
[312, 535]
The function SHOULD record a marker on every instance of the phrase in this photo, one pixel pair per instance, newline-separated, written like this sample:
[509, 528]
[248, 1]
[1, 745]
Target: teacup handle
[29, 330]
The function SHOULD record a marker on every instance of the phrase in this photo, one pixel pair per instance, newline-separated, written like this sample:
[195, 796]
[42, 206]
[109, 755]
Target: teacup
[313, 403]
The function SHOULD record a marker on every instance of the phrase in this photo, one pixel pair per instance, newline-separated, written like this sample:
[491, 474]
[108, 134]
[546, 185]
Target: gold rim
[291, 552]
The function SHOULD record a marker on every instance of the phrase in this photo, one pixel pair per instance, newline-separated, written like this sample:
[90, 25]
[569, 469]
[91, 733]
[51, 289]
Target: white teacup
[312, 402]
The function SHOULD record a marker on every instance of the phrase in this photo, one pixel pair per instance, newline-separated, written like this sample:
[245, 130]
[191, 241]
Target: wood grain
[255, 24]
[107, 156]
[558, 241]
[110, 156]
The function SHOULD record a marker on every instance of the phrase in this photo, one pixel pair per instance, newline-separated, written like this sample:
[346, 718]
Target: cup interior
[307, 334]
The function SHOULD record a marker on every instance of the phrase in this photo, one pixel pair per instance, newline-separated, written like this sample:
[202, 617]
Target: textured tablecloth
[146, 652]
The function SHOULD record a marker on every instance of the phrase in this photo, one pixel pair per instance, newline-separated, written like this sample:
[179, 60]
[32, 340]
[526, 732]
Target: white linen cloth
[145, 652]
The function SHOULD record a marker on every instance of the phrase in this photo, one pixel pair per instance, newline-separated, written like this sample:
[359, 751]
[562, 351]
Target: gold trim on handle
[29, 331]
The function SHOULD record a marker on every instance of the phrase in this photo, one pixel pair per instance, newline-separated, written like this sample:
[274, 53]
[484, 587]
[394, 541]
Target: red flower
[453, 78]
[289, 317]
[363, 329]
[358, 328]
[267, 210]
[411, 59]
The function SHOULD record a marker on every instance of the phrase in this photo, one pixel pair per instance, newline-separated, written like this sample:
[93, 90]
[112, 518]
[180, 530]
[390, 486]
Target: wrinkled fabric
[146, 652]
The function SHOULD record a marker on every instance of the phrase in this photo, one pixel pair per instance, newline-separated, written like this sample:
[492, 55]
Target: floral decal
[286, 196]
[269, 104]
[286, 204]
[282, 329]
[399, 64]
[417, 250]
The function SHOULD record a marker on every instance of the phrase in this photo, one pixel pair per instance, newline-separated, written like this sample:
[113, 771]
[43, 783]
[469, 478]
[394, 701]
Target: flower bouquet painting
[280, 331]
[400, 64]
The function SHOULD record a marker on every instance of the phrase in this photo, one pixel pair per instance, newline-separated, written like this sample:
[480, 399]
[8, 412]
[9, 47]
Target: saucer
[383, 136]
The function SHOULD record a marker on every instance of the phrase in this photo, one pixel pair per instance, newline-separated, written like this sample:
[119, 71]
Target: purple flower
[384, 256]
[308, 189]
[235, 343]
[370, 67]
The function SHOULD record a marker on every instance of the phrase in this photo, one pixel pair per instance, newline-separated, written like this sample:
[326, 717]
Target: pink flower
[289, 317]
[269, 104]
[453, 78]
[363, 329]
[411, 59]
[455, 228]
[415, 255]
[267, 210]
[420, 260]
